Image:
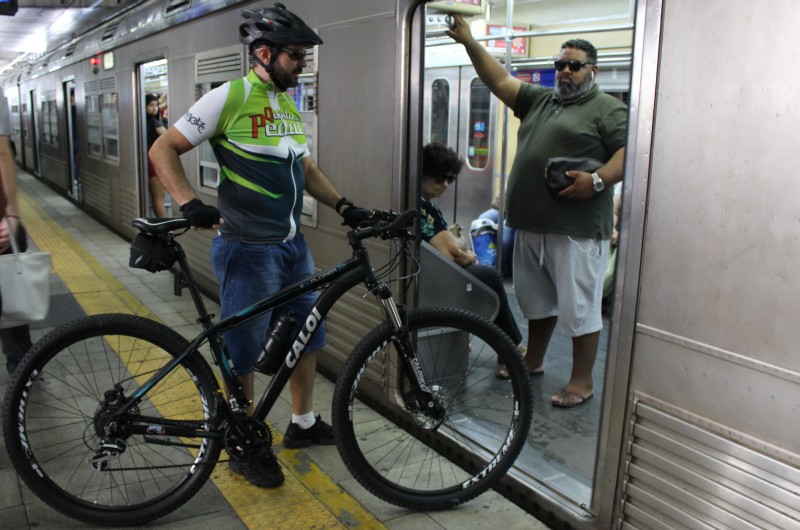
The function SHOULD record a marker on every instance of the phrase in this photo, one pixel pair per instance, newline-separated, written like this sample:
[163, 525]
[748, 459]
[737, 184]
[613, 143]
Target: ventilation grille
[108, 84]
[216, 66]
[70, 50]
[108, 33]
[90, 86]
[174, 6]
[682, 475]
[220, 65]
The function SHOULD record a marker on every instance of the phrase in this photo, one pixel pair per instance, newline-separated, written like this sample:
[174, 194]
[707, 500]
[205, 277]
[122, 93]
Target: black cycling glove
[354, 215]
[200, 215]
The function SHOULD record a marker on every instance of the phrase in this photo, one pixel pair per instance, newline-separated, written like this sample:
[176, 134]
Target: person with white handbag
[15, 340]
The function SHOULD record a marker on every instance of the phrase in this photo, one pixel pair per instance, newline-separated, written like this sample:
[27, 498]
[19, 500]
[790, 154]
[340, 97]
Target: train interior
[461, 112]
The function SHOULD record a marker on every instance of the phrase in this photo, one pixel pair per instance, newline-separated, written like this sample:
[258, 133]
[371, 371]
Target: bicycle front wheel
[425, 457]
[60, 409]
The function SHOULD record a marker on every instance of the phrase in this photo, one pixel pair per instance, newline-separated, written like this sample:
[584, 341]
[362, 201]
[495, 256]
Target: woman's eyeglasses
[574, 66]
[298, 54]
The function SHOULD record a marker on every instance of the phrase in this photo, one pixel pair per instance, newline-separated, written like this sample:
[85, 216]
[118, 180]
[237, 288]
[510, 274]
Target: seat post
[185, 279]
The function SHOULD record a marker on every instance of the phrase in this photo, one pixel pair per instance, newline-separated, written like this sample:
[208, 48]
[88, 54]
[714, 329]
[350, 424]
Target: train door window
[49, 118]
[153, 98]
[70, 115]
[94, 136]
[15, 117]
[305, 97]
[209, 168]
[440, 111]
[214, 67]
[35, 137]
[479, 125]
[108, 117]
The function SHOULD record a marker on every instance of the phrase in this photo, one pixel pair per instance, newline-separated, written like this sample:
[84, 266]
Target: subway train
[699, 417]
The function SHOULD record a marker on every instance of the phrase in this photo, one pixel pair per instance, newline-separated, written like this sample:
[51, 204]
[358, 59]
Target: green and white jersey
[258, 140]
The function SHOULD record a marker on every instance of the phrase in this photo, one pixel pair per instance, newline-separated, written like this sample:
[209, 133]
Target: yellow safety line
[308, 499]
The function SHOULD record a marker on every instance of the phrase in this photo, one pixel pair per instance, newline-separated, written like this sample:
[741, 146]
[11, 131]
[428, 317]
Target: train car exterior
[700, 419]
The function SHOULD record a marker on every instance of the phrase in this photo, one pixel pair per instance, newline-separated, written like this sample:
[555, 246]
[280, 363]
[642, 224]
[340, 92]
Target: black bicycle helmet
[276, 25]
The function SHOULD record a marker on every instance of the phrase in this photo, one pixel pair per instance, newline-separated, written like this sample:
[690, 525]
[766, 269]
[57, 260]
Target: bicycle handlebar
[385, 224]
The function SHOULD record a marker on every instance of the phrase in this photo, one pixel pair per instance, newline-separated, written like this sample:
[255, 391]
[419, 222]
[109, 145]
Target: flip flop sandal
[567, 397]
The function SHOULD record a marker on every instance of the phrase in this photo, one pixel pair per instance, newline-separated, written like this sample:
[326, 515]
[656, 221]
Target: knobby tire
[56, 407]
[436, 461]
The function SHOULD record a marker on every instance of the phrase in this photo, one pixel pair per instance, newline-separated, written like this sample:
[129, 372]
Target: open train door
[153, 82]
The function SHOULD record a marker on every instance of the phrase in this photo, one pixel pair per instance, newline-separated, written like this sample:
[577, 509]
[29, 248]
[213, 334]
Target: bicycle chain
[163, 467]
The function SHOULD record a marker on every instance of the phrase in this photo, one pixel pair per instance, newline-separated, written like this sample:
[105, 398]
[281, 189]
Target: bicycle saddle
[157, 226]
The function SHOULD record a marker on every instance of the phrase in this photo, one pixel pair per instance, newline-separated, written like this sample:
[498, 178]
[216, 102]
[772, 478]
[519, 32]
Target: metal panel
[716, 327]
[688, 473]
[361, 115]
[728, 278]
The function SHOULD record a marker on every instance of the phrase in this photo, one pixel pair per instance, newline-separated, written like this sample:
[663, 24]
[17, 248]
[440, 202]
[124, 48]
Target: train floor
[91, 275]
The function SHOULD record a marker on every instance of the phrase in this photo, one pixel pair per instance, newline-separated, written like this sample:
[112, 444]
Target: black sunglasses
[574, 66]
[445, 178]
[297, 54]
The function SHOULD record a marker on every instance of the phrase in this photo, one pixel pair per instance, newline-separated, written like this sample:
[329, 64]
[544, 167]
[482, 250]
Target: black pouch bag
[151, 253]
[555, 172]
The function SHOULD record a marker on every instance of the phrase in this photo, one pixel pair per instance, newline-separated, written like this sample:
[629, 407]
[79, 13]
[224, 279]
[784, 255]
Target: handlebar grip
[400, 223]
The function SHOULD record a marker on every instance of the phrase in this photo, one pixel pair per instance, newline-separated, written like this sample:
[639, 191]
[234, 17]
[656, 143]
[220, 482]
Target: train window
[209, 168]
[108, 119]
[15, 114]
[479, 125]
[49, 119]
[440, 110]
[101, 126]
[93, 134]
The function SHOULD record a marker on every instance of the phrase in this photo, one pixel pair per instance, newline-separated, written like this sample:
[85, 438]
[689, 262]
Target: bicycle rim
[424, 460]
[57, 412]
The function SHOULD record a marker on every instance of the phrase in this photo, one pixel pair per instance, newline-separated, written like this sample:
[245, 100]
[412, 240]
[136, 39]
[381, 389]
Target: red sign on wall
[519, 46]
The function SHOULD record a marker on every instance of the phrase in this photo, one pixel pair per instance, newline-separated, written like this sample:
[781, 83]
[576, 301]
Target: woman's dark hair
[439, 160]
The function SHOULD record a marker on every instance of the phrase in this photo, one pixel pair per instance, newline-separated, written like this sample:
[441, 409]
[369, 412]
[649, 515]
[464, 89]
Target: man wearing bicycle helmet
[258, 139]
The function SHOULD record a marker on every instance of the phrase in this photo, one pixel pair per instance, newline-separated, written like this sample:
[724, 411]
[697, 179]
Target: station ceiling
[38, 22]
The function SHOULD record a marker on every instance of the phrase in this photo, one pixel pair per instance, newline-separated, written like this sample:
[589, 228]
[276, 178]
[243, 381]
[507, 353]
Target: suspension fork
[397, 316]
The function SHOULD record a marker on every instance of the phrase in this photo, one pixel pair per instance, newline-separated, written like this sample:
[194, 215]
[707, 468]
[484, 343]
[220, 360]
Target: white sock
[304, 421]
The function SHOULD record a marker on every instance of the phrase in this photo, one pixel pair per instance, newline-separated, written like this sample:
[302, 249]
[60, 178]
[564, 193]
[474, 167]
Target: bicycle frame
[335, 281]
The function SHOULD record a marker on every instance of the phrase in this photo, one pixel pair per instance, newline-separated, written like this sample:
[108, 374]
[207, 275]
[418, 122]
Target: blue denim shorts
[248, 273]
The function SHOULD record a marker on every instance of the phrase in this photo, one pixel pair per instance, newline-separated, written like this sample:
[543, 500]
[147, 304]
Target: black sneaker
[262, 470]
[320, 433]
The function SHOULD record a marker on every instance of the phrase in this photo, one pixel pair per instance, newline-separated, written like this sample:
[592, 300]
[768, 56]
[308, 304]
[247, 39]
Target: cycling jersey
[258, 139]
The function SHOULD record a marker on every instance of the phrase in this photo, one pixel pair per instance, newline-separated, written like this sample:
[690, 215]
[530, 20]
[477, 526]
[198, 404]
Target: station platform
[91, 276]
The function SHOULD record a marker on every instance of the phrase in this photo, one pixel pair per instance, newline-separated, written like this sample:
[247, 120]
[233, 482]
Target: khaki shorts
[558, 275]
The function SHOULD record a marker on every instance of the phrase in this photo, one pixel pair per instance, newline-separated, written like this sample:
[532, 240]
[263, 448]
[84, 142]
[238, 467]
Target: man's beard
[284, 78]
[568, 92]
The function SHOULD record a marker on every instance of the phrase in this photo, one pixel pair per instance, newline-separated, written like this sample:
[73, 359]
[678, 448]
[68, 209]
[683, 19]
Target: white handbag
[24, 286]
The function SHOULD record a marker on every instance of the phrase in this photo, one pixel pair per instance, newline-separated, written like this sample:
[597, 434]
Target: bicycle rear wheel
[443, 456]
[58, 412]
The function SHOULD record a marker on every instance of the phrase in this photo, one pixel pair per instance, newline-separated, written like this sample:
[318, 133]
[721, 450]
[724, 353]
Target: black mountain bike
[116, 419]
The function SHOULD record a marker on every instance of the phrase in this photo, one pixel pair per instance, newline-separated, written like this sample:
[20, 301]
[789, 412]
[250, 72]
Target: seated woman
[440, 167]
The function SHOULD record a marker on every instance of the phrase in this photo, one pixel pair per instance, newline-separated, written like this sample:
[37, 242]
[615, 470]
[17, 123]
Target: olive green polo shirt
[594, 126]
